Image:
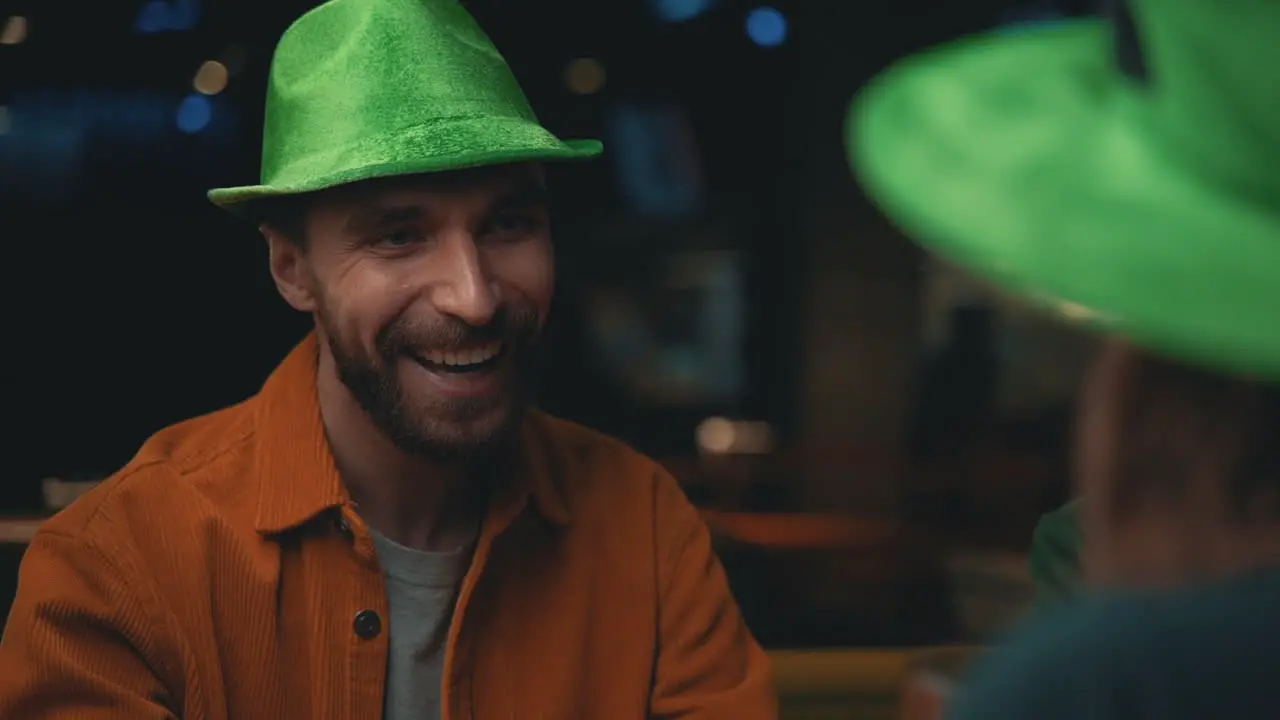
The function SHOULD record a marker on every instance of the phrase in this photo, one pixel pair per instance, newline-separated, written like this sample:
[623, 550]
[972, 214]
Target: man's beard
[440, 429]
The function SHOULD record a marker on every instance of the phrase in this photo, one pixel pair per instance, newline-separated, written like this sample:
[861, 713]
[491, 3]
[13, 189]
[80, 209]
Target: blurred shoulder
[1063, 662]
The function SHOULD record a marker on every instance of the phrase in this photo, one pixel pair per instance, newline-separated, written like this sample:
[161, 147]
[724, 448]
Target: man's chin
[470, 438]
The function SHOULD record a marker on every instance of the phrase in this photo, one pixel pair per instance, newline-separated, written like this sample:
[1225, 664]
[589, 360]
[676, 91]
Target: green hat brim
[246, 201]
[1022, 157]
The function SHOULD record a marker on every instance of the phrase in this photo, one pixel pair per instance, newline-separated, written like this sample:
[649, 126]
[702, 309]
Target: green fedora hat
[362, 89]
[1126, 168]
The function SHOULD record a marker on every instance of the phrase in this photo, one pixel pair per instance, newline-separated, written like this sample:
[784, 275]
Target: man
[1124, 172]
[385, 529]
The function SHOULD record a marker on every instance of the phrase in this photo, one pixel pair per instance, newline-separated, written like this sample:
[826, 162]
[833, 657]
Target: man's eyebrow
[525, 195]
[378, 216]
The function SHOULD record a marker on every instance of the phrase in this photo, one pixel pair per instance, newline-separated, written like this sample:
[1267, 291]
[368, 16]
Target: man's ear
[288, 263]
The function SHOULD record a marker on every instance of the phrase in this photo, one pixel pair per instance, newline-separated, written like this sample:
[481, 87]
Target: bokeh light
[766, 27]
[194, 113]
[584, 76]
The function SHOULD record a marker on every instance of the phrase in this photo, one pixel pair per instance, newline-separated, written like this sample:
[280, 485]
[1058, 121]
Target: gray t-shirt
[421, 590]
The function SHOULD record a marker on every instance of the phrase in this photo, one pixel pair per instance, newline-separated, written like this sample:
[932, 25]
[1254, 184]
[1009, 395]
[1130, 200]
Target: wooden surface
[840, 672]
[18, 531]
[839, 684]
[800, 530]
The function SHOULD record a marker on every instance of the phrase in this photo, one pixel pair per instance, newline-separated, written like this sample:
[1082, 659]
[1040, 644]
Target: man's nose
[464, 289]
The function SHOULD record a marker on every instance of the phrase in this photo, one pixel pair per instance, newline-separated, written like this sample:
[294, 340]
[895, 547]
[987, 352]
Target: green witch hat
[1128, 166]
[362, 89]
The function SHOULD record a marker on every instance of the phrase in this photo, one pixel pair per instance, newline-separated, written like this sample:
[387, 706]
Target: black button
[343, 526]
[368, 624]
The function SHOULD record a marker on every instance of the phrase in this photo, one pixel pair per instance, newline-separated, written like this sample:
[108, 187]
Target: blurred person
[386, 529]
[1123, 173]
[1179, 477]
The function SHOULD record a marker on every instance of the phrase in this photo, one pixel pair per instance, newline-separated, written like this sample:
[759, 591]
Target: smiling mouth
[470, 359]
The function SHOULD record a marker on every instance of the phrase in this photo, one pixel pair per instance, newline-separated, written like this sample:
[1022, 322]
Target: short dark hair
[286, 215]
[1179, 424]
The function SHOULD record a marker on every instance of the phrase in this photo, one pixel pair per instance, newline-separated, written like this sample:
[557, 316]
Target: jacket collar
[298, 479]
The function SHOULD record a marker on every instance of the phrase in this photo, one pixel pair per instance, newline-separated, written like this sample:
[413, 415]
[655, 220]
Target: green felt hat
[1127, 169]
[361, 89]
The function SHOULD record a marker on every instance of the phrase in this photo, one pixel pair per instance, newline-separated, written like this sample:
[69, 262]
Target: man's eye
[399, 238]
[516, 222]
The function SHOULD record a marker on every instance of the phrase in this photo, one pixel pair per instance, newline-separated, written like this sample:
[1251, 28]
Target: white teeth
[462, 358]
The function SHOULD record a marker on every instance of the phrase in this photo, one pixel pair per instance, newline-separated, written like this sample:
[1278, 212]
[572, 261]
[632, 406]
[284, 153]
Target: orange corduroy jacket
[222, 575]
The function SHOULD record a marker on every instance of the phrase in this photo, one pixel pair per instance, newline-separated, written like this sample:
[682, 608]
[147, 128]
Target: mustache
[513, 326]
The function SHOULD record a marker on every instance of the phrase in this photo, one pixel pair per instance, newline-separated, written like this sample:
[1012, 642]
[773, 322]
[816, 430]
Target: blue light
[194, 113]
[680, 10]
[152, 18]
[657, 160]
[766, 27]
[158, 16]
